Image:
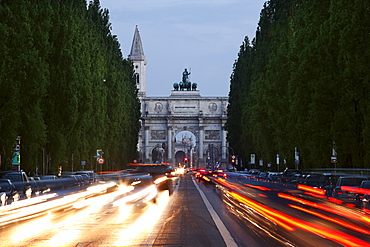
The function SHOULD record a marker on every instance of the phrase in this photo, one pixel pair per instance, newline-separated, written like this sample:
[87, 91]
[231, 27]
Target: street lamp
[213, 155]
[228, 155]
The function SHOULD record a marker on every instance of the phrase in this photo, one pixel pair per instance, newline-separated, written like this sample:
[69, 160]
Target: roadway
[232, 211]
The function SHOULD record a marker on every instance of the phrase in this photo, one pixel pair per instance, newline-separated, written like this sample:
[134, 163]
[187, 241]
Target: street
[229, 212]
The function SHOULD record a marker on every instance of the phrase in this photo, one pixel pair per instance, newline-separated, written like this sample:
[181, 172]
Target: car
[328, 181]
[91, 174]
[365, 202]
[262, 176]
[162, 175]
[290, 175]
[41, 185]
[86, 179]
[202, 174]
[312, 180]
[20, 181]
[52, 182]
[274, 176]
[10, 191]
[363, 189]
[346, 185]
[69, 181]
[80, 180]
[35, 186]
[2, 198]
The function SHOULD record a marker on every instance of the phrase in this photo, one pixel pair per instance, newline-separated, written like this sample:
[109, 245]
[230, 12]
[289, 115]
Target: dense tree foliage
[304, 83]
[65, 87]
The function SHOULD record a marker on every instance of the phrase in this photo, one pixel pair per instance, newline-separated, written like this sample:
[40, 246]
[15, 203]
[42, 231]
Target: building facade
[183, 128]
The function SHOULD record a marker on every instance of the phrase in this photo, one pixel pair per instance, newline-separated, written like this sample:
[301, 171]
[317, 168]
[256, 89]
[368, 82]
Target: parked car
[86, 179]
[2, 198]
[41, 185]
[289, 175]
[9, 190]
[364, 189]
[35, 186]
[52, 182]
[69, 181]
[20, 181]
[348, 181]
[365, 202]
[80, 180]
[273, 176]
[312, 180]
[91, 174]
[328, 181]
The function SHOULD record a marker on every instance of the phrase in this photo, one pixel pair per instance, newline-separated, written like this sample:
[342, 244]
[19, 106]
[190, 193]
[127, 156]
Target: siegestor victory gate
[184, 128]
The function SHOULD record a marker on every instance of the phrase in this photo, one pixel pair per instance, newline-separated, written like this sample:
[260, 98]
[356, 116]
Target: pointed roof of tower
[137, 51]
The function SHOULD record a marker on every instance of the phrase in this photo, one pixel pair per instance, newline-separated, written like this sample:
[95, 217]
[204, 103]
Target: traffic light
[233, 159]
[186, 159]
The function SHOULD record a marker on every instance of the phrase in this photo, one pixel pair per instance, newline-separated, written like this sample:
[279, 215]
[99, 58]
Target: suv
[20, 181]
[347, 181]
[364, 189]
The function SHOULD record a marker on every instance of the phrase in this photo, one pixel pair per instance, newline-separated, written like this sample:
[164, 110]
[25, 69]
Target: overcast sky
[203, 36]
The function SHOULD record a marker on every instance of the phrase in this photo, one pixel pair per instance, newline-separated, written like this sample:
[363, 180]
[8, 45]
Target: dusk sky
[203, 36]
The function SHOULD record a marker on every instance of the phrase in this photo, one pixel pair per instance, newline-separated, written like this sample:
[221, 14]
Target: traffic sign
[101, 161]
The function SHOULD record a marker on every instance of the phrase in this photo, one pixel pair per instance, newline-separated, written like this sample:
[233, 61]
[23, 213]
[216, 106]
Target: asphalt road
[198, 217]
[233, 211]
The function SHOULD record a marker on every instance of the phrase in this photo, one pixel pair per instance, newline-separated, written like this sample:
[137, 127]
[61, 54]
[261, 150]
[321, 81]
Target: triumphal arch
[183, 128]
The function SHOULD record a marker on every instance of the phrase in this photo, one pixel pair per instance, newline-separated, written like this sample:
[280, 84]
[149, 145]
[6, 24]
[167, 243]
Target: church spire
[139, 61]
[137, 51]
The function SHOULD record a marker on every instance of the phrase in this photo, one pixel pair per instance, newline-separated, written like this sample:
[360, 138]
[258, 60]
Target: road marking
[229, 241]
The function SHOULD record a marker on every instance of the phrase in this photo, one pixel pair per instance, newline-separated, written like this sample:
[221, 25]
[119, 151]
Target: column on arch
[223, 141]
[169, 142]
[201, 139]
[147, 148]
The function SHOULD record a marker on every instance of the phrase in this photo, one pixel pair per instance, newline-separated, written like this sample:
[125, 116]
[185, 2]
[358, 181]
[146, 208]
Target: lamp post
[228, 153]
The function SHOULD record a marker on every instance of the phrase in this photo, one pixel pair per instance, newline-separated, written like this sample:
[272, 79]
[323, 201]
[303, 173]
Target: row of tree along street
[304, 82]
[65, 87]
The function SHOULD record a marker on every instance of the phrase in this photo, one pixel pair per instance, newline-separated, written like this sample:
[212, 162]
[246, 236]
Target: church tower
[139, 61]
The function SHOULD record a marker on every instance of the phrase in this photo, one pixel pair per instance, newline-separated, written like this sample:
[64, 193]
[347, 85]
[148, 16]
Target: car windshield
[13, 177]
[366, 185]
[352, 181]
[4, 186]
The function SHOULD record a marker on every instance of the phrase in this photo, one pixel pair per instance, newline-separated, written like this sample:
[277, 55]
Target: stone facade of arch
[164, 117]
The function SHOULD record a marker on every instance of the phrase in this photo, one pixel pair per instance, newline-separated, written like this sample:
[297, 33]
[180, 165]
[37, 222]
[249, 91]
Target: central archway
[184, 147]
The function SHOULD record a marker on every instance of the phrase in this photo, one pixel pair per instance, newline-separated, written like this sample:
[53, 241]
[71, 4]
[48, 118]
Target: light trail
[325, 232]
